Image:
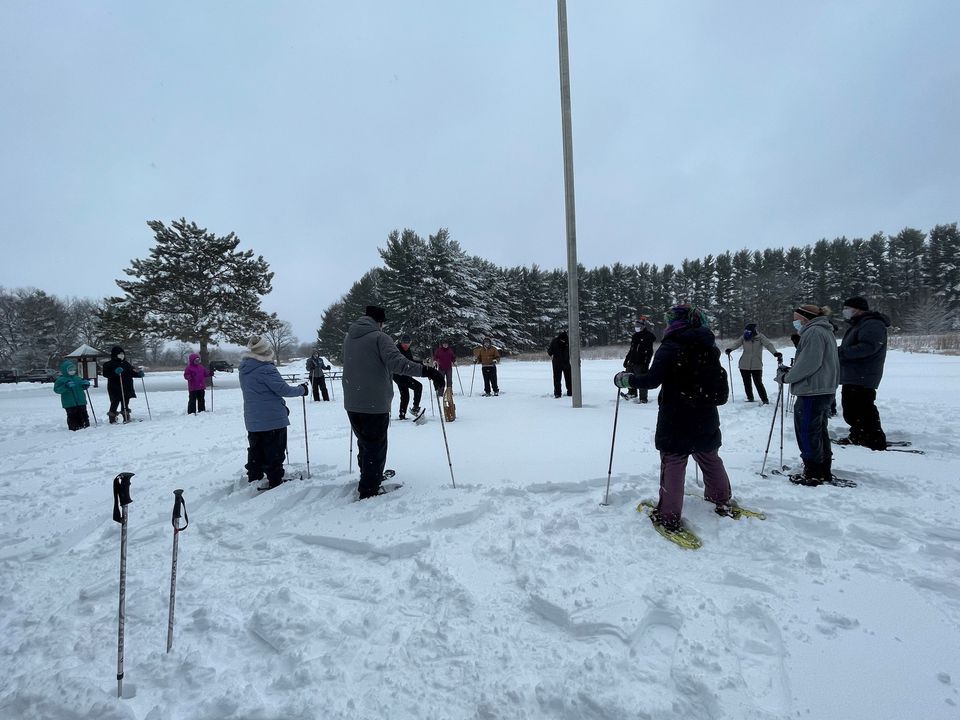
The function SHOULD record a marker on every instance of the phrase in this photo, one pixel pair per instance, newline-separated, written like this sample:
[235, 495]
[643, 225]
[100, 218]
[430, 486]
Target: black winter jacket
[641, 349]
[681, 427]
[863, 350]
[109, 371]
[559, 351]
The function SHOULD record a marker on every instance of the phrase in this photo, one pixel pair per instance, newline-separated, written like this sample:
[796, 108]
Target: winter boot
[126, 416]
[112, 417]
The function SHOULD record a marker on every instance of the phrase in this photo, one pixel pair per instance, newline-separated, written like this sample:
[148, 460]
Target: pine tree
[195, 287]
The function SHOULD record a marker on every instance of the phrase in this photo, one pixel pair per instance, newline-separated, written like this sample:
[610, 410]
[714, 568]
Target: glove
[778, 356]
[119, 371]
[305, 388]
[728, 351]
[781, 374]
[622, 379]
[438, 378]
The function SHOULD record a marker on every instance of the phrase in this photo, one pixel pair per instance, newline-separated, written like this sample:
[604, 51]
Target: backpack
[701, 379]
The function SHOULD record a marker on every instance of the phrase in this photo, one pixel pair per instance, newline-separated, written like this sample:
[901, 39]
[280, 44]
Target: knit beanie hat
[681, 316]
[377, 313]
[405, 339]
[259, 349]
[809, 311]
[857, 302]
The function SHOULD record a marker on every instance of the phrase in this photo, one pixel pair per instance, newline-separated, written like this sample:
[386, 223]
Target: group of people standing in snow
[688, 422]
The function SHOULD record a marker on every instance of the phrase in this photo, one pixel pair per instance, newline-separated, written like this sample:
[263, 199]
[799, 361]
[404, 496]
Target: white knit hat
[259, 349]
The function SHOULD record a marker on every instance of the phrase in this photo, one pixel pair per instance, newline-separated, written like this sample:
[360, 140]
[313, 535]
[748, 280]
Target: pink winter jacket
[196, 374]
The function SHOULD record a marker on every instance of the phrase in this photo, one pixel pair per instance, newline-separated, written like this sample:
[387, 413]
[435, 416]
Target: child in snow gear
[640, 354]
[73, 398]
[445, 358]
[488, 356]
[559, 352]
[863, 351]
[315, 368]
[406, 383]
[265, 414]
[813, 381]
[120, 374]
[687, 421]
[196, 376]
[751, 360]
[370, 358]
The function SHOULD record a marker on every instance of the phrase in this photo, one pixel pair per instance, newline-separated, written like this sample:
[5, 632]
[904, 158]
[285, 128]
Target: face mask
[847, 313]
[71, 372]
[120, 356]
[638, 328]
[797, 325]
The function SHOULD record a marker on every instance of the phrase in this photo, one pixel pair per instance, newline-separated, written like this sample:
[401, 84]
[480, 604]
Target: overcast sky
[312, 129]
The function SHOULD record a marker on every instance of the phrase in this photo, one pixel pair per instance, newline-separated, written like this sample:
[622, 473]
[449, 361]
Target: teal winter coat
[70, 388]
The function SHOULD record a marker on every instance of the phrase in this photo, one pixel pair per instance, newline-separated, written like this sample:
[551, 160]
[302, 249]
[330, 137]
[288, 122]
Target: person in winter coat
[120, 374]
[407, 383]
[73, 397]
[315, 368]
[445, 358]
[370, 359]
[488, 356]
[751, 360]
[640, 354]
[863, 352]
[559, 352]
[685, 426]
[196, 376]
[265, 414]
[813, 381]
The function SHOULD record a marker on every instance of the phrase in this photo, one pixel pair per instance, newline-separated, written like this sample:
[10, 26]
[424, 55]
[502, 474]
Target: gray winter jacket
[370, 359]
[316, 366]
[863, 350]
[817, 367]
[752, 357]
[263, 392]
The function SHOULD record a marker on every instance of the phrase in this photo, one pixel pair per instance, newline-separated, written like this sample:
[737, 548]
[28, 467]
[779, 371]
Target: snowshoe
[681, 536]
[420, 417]
[265, 484]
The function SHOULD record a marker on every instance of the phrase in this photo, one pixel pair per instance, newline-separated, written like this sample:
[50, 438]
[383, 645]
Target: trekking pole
[90, 401]
[178, 505]
[146, 398]
[443, 427]
[121, 498]
[730, 373]
[306, 443]
[782, 414]
[770, 434]
[124, 412]
[350, 465]
[616, 413]
[458, 378]
[472, 376]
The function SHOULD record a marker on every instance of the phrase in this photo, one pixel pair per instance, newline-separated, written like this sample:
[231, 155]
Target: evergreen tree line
[434, 290]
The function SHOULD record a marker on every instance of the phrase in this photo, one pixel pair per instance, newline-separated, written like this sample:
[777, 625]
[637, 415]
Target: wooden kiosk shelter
[86, 359]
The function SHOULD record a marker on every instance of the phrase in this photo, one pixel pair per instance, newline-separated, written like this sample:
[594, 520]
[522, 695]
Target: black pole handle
[179, 504]
[121, 494]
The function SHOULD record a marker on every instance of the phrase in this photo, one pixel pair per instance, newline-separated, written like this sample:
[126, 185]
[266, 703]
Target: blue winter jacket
[70, 388]
[263, 392]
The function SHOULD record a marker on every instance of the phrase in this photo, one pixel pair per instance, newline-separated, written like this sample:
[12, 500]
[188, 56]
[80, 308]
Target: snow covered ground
[514, 595]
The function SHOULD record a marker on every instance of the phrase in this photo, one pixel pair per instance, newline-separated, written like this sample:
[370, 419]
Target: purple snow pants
[673, 466]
